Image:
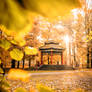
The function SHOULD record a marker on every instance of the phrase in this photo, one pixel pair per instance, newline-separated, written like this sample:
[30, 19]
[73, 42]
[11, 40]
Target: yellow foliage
[20, 90]
[18, 37]
[54, 7]
[13, 17]
[13, 42]
[1, 70]
[20, 41]
[16, 54]
[79, 90]
[42, 88]
[18, 74]
[7, 31]
[0, 61]
[5, 44]
[89, 36]
[30, 51]
[65, 90]
[2, 28]
[32, 89]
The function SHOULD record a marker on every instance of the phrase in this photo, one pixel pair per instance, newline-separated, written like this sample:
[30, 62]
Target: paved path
[58, 72]
[60, 80]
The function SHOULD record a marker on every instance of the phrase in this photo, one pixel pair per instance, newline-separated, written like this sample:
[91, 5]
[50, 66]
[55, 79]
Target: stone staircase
[55, 67]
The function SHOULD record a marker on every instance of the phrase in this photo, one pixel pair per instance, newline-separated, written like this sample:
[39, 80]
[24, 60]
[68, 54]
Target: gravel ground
[59, 80]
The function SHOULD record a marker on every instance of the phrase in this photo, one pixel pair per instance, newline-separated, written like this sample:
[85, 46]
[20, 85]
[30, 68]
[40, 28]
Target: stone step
[56, 67]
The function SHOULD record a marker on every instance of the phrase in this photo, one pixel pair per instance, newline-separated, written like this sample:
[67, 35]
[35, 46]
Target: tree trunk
[29, 62]
[48, 60]
[24, 61]
[13, 63]
[18, 62]
[88, 57]
[74, 56]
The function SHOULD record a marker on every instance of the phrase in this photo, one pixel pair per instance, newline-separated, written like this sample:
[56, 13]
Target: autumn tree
[14, 50]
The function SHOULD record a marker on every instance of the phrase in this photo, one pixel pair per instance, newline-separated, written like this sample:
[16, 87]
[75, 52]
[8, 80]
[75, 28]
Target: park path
[58, 72]
[59, 80]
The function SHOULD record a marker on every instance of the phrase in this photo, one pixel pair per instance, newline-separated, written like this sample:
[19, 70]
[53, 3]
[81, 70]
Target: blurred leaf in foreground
[42, 88]
[17, 74]
[4, 85]
[54, 7]
[14, 14]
